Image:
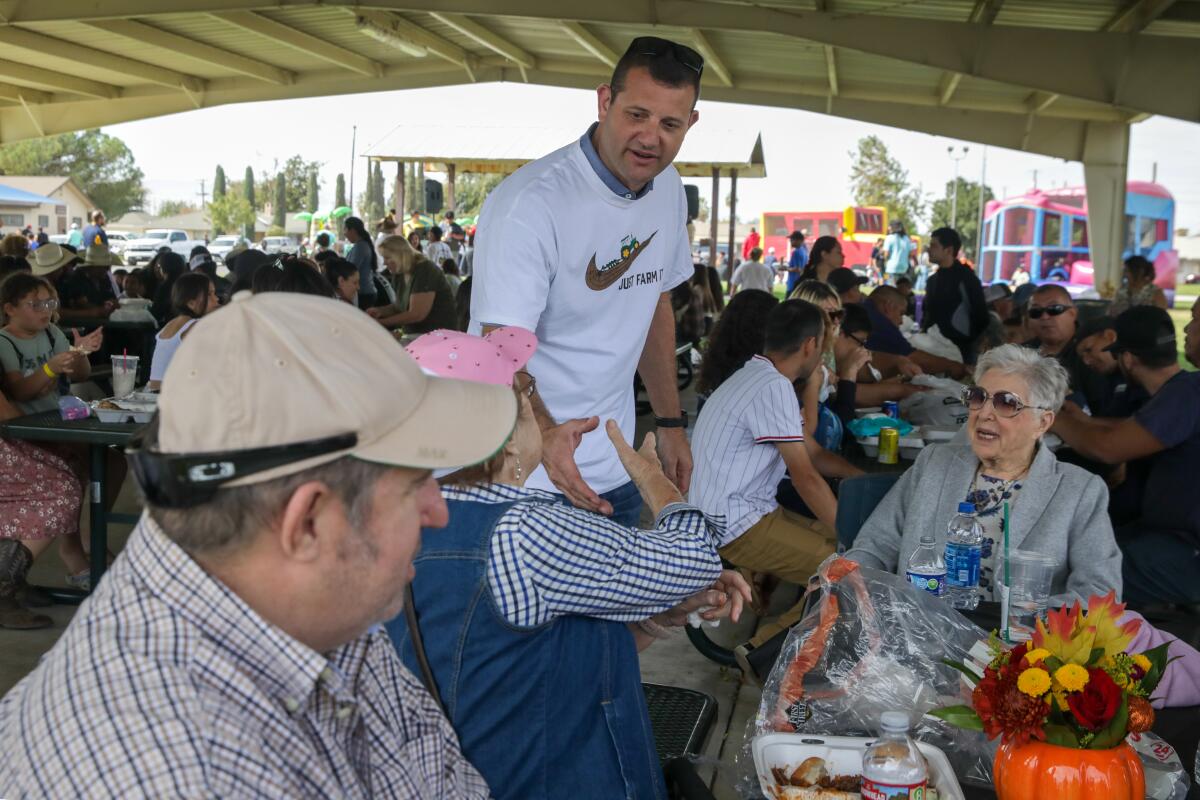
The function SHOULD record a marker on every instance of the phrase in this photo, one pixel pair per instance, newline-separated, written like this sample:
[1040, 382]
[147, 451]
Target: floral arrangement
[1074, 685]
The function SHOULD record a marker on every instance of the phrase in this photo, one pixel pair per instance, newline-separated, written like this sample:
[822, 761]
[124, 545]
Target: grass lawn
[1188, 288]
[1181, 316]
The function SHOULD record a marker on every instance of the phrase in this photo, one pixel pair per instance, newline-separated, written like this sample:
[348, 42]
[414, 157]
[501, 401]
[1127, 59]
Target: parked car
[221, 246]
[59, 238]
[118, 239]
[279, 244]
[140, 251]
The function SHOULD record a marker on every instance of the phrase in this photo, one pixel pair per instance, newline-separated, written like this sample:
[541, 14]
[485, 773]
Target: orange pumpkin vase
[1040, 771]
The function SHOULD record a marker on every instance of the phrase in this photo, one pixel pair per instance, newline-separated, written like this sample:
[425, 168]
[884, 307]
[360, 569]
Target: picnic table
[98, 436]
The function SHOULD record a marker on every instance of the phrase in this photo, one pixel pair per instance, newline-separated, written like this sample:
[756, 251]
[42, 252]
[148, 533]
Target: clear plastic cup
[124, 375]
[1029, 578]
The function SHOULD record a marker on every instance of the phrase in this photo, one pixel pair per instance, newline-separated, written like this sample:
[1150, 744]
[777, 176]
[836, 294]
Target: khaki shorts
[785, 544]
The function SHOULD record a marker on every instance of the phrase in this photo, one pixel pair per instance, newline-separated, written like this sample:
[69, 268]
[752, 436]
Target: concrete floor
[672, 662]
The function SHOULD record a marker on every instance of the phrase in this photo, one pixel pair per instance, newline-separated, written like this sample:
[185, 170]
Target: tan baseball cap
[281, 368]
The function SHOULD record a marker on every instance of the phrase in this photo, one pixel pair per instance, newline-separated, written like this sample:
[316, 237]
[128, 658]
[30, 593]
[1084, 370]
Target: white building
[62, 203]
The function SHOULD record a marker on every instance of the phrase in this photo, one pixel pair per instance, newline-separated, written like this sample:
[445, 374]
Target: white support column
[1105, 164]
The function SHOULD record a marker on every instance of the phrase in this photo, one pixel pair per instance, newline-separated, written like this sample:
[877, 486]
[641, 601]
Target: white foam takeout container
[910, 445]
[138, 407]
[843, 756]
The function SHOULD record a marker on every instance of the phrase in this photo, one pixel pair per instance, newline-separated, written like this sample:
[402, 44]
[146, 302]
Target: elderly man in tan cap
[234, 648]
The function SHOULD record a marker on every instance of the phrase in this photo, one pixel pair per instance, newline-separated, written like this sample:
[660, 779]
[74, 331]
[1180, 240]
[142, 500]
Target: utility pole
[203, 194]
[353, 142]
[979, 229]
[955, 156]
[1154, 173]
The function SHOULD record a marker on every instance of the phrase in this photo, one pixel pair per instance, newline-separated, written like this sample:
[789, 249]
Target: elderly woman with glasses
[1055, 509]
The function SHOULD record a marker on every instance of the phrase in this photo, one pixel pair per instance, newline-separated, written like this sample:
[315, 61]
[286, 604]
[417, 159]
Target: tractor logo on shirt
[600, 278]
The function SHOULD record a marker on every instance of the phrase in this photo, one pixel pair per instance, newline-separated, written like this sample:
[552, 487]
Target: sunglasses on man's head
[1036, 312]
[1006, 403]
[657, 47]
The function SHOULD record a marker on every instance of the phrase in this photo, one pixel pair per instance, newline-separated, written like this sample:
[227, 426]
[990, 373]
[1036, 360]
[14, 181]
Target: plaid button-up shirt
[166, 684]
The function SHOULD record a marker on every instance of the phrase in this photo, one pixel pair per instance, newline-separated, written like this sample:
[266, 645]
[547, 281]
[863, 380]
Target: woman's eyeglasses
[861, 342]
[43, 305]
[526, 383]
[1005, 403]
[1035, 312]
[654, 46]
[836, 314]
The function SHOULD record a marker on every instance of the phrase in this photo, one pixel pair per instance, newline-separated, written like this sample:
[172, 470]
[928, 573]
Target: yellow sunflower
[1072, 677]
[1034, 682]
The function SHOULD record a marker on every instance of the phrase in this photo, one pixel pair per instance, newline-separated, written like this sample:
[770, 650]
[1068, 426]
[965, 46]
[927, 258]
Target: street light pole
[955, 156]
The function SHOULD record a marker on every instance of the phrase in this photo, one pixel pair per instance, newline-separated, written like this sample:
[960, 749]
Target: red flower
[1096, 704]
[1006, 711]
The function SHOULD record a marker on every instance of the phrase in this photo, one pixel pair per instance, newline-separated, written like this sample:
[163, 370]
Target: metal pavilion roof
[504, 148]
[1036, 75]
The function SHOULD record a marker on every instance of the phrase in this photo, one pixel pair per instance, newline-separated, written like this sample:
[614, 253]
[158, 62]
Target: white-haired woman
[1056, 509]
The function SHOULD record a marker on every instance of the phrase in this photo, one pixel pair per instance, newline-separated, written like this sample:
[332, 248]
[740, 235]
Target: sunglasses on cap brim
[658, 47]
[186, 480]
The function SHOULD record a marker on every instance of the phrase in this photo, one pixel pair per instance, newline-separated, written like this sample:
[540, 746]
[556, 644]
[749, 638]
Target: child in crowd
[343, 276]
[192, 296]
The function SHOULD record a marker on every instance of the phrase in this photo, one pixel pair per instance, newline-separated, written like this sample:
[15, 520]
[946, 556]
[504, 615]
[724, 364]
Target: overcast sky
[807, 154]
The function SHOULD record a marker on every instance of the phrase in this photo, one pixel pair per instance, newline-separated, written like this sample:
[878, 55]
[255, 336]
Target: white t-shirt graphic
[560, 253]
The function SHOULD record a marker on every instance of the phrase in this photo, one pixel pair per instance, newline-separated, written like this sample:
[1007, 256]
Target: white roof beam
[588, 41]
[1040, 101]
[497, 44]
[1136, 16]
[831, 70]
[712, 60]
[182, 45]
[304, 42]
[61, 48]
[13, 71]
[412, 32]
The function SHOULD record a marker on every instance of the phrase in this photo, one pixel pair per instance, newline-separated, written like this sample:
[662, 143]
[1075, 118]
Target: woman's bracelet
[49, 372]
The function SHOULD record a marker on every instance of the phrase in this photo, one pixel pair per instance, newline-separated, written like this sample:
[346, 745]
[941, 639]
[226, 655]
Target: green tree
[170, 208]
[219, 183]
[295, 174]
[877, 179]
[471, 189]
[248, 196]
[279, 218]
[339, 191]
[967, 223]
[101, 165]
[378, 201]
[230, 213]
[314, 192]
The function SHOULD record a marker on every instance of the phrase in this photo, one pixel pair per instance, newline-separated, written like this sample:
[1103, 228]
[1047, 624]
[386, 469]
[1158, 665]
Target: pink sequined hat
[488, 359]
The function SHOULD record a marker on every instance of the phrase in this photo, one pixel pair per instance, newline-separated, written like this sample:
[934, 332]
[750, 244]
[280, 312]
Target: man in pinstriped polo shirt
[749, 434]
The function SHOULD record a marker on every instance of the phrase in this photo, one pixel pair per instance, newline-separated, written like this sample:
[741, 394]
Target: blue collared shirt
[604, 173]
[550, 559]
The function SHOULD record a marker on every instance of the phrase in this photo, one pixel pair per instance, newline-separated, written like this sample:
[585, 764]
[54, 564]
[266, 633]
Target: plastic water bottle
[964, 549]
[926, 569]
[893, 767]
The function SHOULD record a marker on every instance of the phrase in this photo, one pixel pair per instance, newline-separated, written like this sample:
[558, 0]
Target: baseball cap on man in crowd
[1143, 330]
[843, 280]
[276, 383]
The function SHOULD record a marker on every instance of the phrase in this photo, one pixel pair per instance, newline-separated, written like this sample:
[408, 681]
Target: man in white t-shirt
[583, 246]
[752, 274]
[436, 250]
[750, 433]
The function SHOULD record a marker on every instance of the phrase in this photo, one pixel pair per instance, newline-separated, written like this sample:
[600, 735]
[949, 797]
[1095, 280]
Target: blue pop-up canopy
[11, 196]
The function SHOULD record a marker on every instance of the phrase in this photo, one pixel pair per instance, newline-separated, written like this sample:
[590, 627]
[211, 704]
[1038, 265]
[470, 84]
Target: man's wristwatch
[672, 422]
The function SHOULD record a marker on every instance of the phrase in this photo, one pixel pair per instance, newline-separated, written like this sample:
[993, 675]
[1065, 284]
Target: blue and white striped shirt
[166, 684]
[549, 559]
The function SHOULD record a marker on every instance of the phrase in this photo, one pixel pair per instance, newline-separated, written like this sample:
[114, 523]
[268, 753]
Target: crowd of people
[278, 622]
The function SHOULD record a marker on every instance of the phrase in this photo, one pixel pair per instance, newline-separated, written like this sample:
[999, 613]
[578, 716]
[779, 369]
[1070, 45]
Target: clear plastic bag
[1166, 778]
[874, 643]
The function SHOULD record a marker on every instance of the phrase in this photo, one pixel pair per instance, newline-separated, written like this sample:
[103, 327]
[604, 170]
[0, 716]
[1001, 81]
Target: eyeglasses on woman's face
[1006, 404]
[48, 304]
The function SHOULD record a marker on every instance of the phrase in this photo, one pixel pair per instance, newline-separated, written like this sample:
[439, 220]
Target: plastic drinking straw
[1007, 579]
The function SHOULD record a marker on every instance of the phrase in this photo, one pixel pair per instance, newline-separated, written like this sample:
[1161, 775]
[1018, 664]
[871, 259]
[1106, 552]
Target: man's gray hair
[1046, 377]
[235, 515]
